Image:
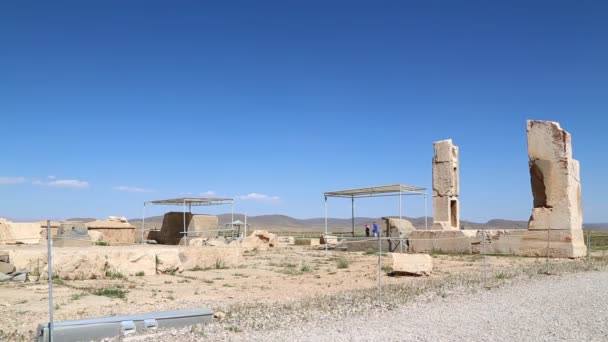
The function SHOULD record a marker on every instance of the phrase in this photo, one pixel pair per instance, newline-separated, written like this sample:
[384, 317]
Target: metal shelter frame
[379, 191]
[190, 201]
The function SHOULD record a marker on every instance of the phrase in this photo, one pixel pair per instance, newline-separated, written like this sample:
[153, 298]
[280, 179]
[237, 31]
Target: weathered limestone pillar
[556, 188]
[446, 208]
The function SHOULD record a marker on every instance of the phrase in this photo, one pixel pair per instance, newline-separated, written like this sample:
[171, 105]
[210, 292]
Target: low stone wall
[17, 233]
[442, 241]
[99, 261]
[116, 236]
[562, 243]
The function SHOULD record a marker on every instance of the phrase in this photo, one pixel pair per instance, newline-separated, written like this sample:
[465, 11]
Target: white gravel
[572, 307]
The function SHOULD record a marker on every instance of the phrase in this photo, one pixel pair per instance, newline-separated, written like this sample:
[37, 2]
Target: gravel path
[572, 307]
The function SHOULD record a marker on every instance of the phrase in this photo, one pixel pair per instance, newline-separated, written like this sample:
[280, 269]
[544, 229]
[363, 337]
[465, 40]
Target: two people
[375, 230]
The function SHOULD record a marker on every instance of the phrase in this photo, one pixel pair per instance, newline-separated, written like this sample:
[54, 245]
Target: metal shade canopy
[192, 201]
[378, 190]
[186, 203]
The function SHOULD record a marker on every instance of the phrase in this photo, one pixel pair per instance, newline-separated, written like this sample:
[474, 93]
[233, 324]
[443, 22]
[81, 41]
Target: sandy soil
[282, 274]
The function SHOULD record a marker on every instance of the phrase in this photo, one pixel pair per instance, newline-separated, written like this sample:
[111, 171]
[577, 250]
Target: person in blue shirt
[375, 229]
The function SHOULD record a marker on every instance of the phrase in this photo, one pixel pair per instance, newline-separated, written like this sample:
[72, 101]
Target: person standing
[375, 229]
[367, 230]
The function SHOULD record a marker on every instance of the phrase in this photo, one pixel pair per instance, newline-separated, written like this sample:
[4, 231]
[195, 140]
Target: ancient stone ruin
[446, 210]
[556, 187]
[72, 234]
[555, 178]
[197, 226]
[555, 227]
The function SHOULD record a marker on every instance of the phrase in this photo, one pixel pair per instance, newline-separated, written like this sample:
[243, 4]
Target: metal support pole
[245, 224]
[400, 213]
[353, 215]
[485, 271]
[548, 238]
[232, 219]
[379, 270]
[426, 215]
[589, 246]
[49, 244]
[143, 223]
[325, 225]
[185, 232]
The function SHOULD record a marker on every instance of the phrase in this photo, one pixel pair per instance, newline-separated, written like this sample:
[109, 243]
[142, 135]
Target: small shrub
[102, 243]
[501, 276]
[112, 292]
[305, 268]
[227, 285]
[115, 275]
[199, 268]
[220, 264]
[343, 263]
[58, 281]
[208, 281]
[140, 274]
[77, 296]
[234, 329]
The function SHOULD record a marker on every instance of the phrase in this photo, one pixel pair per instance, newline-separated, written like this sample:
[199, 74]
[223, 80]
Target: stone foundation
[98, 261]
[562, 243]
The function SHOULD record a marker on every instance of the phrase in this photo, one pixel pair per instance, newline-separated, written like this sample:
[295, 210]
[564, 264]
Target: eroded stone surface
[556, 190]
[412, 264]
[13, 233]
[446, 187]
[397, 227]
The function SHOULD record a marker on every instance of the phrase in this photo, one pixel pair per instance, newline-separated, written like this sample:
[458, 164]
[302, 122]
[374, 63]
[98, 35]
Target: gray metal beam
[100, 328]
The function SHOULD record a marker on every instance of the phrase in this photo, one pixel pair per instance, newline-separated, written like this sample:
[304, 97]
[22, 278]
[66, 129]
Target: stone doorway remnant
[446, 209]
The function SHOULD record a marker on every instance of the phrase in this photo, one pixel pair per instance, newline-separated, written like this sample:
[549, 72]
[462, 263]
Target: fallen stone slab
[20, 277]
[5, 277]
[5, 267]
[329, 239]
[412, 264]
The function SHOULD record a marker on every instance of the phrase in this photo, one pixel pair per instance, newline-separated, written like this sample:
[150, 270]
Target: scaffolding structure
[378, 191]
[187, 202]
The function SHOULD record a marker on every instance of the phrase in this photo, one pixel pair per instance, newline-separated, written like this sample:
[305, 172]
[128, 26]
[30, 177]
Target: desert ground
[272, 289]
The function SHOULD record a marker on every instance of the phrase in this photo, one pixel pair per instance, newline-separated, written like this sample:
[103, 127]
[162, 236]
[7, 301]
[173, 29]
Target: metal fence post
[49, 244]
[485, 272]
[588, 246]
[548, 238]
[379, 270]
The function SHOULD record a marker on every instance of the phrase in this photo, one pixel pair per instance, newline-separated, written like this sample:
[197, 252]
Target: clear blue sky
[106, 104]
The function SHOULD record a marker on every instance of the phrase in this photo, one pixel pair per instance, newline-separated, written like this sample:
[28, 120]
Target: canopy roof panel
[193, 201]
[378, 190]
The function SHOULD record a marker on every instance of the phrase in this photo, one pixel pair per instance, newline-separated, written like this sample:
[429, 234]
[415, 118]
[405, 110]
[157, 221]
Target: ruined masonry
[556, 188]
[446, 211]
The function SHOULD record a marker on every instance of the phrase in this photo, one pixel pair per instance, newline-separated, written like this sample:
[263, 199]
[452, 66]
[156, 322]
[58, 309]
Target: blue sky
[105, 104]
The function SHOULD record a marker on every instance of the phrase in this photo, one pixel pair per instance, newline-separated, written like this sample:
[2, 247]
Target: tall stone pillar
[446, 208]
[556, 188]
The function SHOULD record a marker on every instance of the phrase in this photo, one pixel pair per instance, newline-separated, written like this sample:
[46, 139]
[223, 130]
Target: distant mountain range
[287, 223]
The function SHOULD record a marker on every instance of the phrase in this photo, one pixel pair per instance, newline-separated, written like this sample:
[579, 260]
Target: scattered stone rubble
[8, 271]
